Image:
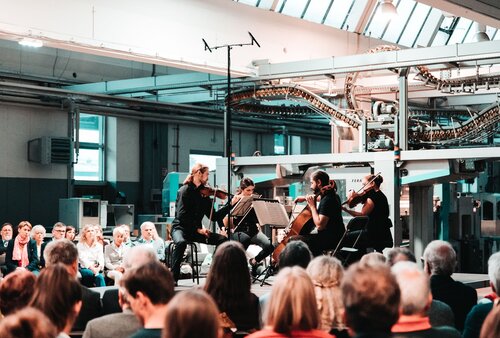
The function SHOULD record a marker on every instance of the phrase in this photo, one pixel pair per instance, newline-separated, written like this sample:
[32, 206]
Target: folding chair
[356, 224]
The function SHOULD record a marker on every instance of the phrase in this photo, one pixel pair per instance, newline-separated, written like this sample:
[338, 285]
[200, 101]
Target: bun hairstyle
[197, 167]
[245, 183]
[376, 179]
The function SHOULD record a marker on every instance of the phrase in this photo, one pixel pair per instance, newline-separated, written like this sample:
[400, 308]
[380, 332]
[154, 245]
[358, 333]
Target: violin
[359, 196]
[207, 191]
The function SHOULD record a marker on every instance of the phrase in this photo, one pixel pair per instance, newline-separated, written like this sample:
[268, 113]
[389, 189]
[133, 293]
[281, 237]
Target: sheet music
[271, 213]
[243, 205]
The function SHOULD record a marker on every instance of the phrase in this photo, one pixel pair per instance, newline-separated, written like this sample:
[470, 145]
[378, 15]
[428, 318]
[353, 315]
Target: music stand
[356, 224]
[273, 214]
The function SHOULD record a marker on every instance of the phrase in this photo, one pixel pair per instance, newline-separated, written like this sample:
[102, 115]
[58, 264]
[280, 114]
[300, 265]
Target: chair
[193, 257]
[354, 229]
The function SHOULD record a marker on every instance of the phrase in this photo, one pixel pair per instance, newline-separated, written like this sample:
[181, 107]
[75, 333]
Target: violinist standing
[191, 206]
[378, 234]
[326, 216]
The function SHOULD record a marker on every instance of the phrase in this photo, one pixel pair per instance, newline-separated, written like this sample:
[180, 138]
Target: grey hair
[119, 230]
[397, 254]
[36, 228]
[139, 255]
[62, 251]
[441, 258]
[494, 271]
[143, 225]
[414, 285]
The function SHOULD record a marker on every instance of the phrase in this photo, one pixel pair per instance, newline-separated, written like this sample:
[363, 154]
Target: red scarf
[20, 252]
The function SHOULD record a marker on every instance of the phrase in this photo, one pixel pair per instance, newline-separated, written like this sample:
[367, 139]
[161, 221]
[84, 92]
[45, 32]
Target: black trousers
[181, 238]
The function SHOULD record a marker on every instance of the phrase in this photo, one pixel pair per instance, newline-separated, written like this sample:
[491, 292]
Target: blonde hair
[292, 305]
[326, 273]
[85, 229]
[197, 167]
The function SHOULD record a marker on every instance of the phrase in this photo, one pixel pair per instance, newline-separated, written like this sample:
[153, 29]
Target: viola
[207, 191]
[359, 196]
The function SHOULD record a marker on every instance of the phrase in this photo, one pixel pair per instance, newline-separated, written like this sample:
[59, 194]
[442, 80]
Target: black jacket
[32, 257]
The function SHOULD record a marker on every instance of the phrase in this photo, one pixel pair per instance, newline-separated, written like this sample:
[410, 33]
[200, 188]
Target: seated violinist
[191, 205]
[377, 234]
[248, 232]
[326, 218]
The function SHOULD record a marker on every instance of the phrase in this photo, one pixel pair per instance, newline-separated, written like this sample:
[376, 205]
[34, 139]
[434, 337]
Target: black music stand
[354, 229]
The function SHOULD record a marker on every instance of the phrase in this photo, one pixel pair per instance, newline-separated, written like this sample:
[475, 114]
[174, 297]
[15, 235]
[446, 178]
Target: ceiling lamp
[387, 10]
[28, 42]
[480, 33]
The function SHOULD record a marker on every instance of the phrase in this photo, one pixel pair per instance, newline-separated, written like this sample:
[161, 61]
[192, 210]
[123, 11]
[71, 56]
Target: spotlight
[28, 42]
[387, 10]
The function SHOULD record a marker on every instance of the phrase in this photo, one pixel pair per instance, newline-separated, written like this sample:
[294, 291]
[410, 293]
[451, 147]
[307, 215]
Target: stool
[169, 250]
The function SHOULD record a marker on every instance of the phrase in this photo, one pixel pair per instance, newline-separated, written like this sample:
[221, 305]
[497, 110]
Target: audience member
[21, 251]
[15, 291]
[90, 257]
[491, 325]
[126, 237]
[58, 231]
[150, 237]
[113, 255]
[371, 299]
[295, 253]
[192, 306]
[416, 298]
[440, 314]
[439, 262]
[148, 289]
[399, 254]
[228, 282]
[122, 324]
[134, 257]
[326, 273]
[27, 323]
[59, 296]
[373, 258]
[292, 310]
[38, 234]
[65, 252]
[70, 233]
[477, 315]
[99, 236]
[6, 236]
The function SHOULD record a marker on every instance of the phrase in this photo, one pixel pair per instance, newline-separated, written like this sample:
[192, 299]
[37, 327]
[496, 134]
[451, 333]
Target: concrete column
[420, 218]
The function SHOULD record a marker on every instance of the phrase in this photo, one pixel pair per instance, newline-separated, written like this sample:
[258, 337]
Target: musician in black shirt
[191, 207]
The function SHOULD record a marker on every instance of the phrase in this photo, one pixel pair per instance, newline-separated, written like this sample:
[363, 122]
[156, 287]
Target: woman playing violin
[247, 232]
[375, 206]
[193, 203]
[326, 217]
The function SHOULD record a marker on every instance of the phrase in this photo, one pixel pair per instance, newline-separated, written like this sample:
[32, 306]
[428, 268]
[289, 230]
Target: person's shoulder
[147, 333]
[445, 332]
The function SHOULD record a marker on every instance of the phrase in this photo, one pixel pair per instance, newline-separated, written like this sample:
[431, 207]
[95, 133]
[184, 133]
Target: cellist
[326, 217]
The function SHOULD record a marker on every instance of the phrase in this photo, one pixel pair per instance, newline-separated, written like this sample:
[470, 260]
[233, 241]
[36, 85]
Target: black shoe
[253, 263]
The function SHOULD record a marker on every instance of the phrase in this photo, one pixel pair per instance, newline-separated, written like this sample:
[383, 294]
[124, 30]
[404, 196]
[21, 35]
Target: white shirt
[88, 255]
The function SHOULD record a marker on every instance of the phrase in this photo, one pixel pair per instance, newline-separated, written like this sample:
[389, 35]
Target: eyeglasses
[60, 230]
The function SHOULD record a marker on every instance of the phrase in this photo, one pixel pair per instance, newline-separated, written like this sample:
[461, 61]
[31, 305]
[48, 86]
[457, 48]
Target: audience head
[192, 306]
[439, 258]
[371, 298]
[118, 235]
[16, 290]
[38, 233]
[59, 231]
[88, 235]
[148, 231]
[126, 229]
[28, 322]
[23, 229]
[494, 272]
[6, 231]
[491, 325]
[228, 280]
[147, 286]
[70, 232]
[139, 255]
[293, 304]
[295, 253]
[64, 252]
[58, 295]
[326, 273]
[373, 258]
[415, 290]
[399, 254]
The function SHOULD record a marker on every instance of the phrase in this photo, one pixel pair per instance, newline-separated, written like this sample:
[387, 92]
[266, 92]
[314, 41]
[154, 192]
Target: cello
[301, 223]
